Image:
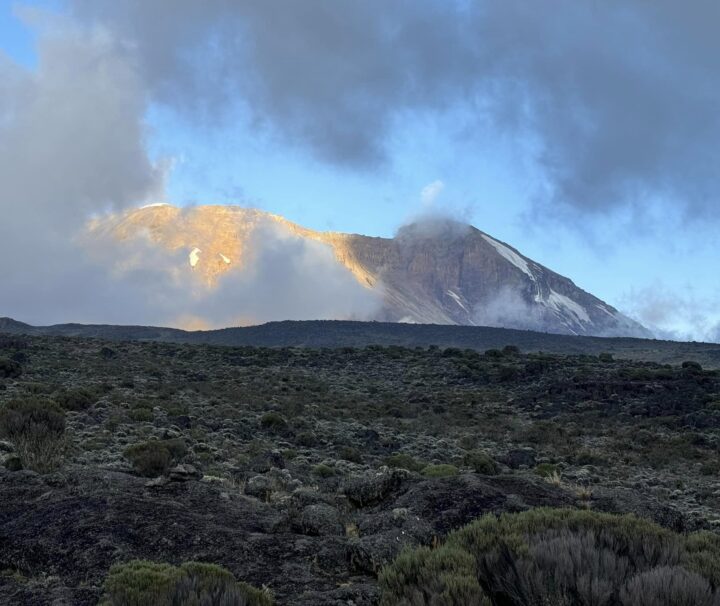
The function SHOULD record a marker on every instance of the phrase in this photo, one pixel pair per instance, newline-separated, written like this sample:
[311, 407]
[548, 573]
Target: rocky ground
[306, 470]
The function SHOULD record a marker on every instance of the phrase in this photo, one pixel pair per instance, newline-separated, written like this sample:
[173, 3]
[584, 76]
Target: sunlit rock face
[433, 271]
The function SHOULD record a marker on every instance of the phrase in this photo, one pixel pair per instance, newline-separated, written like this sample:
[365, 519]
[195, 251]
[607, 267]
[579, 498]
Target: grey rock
[319, 519]
[11, 462]
[185, 472]
[369, 489]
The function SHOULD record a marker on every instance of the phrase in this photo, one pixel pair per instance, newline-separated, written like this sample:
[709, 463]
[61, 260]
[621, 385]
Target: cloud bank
[619, 97]
[72, 145]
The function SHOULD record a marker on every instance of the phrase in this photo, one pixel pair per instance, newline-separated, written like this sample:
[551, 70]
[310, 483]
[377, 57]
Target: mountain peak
[435, 270]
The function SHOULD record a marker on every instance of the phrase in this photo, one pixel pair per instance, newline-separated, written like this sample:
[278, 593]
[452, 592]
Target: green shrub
[563, 556]
[75, 398]
[349, 453]
[154, 458]
[403, 461]
[273, 421]
[143, 583]
[431, 577]
[307, 439]
[37, 428]
[545, 470]
[323, 471]
[481, 462]
[9, 369]
[141, 415]
[443, 470]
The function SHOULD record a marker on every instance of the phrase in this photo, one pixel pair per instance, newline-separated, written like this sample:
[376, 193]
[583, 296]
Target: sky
[585, 134]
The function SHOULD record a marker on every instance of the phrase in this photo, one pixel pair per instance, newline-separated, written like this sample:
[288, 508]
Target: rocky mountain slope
[432, 272]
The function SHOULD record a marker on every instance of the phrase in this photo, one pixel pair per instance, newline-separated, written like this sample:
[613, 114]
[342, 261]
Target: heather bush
[481, 462]
[37, 428]
[431, 577]
[442, 470]
[143, 583]
[564, 557]
[77, 398]
[154, 458]
[403, 461]
[9, 369]
[668, 586]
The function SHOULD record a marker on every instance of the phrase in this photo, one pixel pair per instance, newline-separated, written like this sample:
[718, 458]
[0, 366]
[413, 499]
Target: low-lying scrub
[558, 556]
[154, 457]
[143, 583]
[36, 427]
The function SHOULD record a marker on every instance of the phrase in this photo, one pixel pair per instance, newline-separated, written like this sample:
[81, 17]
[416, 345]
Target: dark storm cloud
[621, 97]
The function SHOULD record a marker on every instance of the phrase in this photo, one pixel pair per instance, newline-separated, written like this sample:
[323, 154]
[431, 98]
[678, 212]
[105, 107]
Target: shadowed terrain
[307, 469]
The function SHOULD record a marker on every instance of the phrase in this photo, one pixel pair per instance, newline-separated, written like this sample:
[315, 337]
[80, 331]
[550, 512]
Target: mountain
[431, 272]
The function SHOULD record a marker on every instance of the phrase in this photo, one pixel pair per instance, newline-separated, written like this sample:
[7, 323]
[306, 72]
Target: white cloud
[430, 193]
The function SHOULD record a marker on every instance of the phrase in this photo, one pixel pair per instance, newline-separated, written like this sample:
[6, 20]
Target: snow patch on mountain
[457, 300]
[561, 304]
[510, 255]
[194, 256]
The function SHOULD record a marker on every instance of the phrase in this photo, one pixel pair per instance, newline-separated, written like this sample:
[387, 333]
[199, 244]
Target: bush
[37, 428]
[9, 369]
[481, 462]
[142, 583]
[323, 471]
[75, 399]
[440, 471]
[562, 556]
[154, 458]
[545, 470]
[273, 421]
[141, 415]
[403, 461]
[431, 577]
[349, 453]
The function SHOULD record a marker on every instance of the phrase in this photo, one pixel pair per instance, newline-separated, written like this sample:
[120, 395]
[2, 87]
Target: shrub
[431, 577]
[273, 421]
[667, 586]
[75, 399]
[154, 458]
[403, 461]
[545, 470]
[9, 369]
[443, 470]
[481, 462]
[141, 415]
[349, 453]
[142, 583]
[37, 429]
[691, 367]
[307, 439]
[562, 556]
[323, 471]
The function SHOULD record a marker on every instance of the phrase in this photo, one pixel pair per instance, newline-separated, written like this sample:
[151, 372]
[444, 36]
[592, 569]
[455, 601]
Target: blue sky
[648, 256]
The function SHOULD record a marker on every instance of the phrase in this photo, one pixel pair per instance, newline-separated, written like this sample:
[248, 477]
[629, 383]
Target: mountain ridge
[343, 333]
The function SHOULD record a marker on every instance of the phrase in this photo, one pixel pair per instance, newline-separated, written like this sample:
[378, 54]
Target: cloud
[509, 309]
[674, 315]
[618, 97]
[430, 192]
[288, 278]
[71, 143]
